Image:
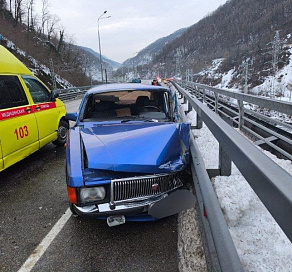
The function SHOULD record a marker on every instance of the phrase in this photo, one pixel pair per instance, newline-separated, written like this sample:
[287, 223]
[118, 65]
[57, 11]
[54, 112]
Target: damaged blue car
[126, 155]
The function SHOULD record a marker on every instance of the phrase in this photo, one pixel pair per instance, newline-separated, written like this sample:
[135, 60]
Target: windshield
[126, 106]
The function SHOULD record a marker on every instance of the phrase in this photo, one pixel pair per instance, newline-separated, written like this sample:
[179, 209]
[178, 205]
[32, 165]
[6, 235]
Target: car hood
[140, 148]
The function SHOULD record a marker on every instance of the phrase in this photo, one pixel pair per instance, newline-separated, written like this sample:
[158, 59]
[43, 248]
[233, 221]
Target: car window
[11, 92]
[38, 92]
[126, 104]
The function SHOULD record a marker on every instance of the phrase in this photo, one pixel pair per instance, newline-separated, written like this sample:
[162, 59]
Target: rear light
[72, 194]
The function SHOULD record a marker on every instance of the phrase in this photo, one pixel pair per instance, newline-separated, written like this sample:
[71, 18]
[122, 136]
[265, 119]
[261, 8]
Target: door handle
[37, 107]
[28, 109]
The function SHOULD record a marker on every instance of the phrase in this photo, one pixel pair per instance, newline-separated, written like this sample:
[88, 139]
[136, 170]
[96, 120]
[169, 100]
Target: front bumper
[105, 209]
[156, 207]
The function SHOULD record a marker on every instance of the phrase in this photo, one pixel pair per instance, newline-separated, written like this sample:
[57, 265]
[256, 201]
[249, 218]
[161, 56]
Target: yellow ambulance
[31, 115]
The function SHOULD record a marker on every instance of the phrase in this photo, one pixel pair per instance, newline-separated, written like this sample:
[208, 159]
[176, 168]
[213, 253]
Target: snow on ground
[260, 242]
[190, 249]
[211, 71]
[226, 79]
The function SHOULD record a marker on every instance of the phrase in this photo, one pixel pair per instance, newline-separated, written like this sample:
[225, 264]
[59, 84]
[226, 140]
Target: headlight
[92, 194]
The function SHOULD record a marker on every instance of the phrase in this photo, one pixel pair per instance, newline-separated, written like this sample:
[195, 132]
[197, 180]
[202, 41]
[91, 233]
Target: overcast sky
[133, 25]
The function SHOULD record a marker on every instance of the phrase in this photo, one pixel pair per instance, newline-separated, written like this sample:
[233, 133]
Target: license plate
[115, 220]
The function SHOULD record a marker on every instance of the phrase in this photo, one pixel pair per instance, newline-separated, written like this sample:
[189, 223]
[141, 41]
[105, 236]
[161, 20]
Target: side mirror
[54, 95]
[71, 116]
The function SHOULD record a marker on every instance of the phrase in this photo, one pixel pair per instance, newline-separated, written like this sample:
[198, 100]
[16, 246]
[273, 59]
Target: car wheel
[62, 133]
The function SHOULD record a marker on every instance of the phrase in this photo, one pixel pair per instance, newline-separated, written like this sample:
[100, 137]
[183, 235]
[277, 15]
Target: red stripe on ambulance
[12, 113]
[7, 114]
[46, 106]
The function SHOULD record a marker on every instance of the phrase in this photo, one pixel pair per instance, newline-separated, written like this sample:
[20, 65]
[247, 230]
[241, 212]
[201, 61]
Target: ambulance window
[11, 93]
[37, 91]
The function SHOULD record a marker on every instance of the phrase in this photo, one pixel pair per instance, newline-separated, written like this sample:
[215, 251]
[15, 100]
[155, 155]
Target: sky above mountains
[133, 25]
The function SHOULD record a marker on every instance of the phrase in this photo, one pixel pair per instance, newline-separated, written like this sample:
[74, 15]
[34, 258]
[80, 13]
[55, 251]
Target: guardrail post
[199, 121]
[216, 102]
[194, 90]
[197, 92]
[224, 162]
[240, 113]
[189, 107]
[185, 100]
[204, 95]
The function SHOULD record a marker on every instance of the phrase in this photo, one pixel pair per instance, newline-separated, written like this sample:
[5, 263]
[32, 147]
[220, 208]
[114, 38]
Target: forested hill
[237, 31]
[42, 43]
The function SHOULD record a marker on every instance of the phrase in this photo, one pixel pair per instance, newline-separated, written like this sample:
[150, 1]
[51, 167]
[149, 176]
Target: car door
[45, 110]
[1, 158]
[18, 127]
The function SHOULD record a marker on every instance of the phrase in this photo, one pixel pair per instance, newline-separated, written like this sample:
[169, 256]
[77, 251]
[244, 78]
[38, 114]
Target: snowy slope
[35, 65]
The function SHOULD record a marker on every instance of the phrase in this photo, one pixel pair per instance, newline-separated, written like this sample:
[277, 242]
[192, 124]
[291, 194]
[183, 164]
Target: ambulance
[31, 115]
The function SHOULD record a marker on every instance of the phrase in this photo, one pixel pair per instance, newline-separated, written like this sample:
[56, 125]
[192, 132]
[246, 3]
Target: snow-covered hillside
[37, 67]
[275, 86]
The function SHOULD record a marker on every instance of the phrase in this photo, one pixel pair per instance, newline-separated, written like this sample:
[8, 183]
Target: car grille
[143, 187]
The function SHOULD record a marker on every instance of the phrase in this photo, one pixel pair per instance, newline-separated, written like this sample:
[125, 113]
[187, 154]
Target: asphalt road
[33, 198]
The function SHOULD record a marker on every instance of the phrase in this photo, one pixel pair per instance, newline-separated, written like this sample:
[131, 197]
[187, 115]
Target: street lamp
[100, 17]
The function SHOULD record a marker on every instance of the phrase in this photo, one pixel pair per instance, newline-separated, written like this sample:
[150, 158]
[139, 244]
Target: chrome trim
[141, 188]
[105, 207]
[112, 194]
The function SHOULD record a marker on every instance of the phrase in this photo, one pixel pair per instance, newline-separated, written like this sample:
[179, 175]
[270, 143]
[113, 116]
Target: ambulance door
[18, 127]
[45, 110]
[1, 158]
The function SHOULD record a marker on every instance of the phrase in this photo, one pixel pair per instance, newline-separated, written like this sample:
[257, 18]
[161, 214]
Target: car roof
[126, 87]
[10, 64]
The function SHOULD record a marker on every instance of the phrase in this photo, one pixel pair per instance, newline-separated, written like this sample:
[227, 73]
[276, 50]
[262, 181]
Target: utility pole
[177, 62]
[245, 77]
[275, 51]
[276, 46]
[100, 60]
[189, 75]
[246, 68]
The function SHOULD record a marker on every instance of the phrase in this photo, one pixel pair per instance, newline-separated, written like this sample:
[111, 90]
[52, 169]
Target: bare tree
[29, 7]
[44, 15]
[51, 24]
[18, 11]
[2, 4]
[61, 39]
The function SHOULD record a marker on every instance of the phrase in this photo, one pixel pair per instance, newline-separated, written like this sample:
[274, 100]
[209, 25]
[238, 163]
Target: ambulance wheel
[62, 133]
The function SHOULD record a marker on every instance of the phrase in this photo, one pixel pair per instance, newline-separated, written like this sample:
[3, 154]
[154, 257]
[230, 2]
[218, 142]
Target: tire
[62, 133]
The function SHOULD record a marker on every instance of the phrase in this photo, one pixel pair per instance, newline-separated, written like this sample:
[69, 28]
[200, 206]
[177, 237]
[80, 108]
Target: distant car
[126, 155]
[155, 82]
[31, 115]
[136, 80]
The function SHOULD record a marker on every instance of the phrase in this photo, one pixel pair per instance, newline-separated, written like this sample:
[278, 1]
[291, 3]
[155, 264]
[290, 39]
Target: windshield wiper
[150, 120]
[139, 119]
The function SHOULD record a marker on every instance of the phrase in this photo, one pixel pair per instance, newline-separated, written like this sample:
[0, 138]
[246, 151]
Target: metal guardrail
[269, 103]
[276, 134]
[271, 183]
[72, 93]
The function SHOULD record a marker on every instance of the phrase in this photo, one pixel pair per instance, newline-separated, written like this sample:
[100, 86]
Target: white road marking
[42, 247]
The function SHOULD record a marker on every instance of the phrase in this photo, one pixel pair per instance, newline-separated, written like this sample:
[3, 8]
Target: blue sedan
[126, 155]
